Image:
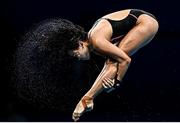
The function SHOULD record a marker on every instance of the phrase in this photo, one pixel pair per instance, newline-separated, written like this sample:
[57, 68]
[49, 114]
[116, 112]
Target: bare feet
[84, 105]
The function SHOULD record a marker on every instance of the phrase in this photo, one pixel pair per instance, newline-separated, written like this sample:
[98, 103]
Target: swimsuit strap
[133, 16]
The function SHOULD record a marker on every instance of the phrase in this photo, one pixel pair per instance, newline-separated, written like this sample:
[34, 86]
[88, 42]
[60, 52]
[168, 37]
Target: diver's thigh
[136, 38]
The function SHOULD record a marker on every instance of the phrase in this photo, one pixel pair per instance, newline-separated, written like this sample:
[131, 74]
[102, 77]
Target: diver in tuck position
[117, 35]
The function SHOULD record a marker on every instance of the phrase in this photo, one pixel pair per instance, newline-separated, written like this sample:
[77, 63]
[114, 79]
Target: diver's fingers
[112, 81]
[107, 83]
[104, 85]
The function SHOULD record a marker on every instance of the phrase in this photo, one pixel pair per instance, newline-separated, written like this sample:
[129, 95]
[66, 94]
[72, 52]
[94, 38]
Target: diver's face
[82, 53]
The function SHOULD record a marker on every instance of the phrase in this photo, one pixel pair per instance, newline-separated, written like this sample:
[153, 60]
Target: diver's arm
[104, 46]
[107, 48]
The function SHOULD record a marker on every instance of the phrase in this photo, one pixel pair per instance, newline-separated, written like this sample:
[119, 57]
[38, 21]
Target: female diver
[118, 36]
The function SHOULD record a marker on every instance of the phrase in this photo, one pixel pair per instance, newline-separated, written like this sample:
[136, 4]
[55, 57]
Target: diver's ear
[81, 44]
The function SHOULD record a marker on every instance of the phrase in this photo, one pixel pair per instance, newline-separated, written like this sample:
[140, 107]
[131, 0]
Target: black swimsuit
[122, 27]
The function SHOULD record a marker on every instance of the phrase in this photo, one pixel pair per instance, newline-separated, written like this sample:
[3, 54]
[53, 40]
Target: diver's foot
[84, 105]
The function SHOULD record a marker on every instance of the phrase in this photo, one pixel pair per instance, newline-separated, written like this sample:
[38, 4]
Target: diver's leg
[109, 72]
[86, 103]
[138, 37]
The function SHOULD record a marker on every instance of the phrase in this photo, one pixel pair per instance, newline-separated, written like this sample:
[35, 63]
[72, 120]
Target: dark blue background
[151, 88]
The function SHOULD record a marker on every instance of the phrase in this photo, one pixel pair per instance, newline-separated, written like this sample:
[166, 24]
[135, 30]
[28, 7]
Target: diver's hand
[108, 84]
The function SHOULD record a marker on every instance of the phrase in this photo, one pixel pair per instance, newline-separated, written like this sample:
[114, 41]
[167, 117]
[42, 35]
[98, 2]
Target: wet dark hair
[59, 33]
[44, 75]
